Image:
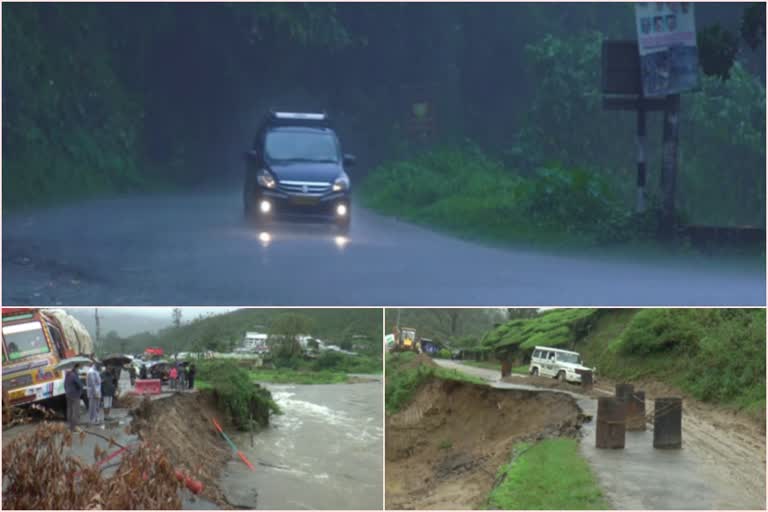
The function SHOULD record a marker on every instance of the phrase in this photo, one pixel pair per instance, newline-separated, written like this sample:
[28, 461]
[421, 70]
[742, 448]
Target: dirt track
[443, 450]
[182, 426]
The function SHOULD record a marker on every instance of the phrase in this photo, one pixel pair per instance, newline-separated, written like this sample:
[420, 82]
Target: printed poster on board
[666, 37]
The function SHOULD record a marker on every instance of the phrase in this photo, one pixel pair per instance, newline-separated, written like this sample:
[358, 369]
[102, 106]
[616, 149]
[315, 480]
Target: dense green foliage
[716, 355]
[571, 169]
[552, 328]
[549, 475]
[110, 98]
[405, 375]
[245, 402]
[106, 98]
[464, 191]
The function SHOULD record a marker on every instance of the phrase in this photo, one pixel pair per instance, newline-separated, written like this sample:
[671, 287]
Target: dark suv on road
[296, 171]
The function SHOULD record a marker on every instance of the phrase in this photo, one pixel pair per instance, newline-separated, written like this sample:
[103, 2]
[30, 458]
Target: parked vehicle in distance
[297, 171]
[557, 363]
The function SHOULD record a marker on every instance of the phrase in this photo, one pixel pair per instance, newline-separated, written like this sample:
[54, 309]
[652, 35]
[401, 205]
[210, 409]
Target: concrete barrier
[668, 423]
[148, 386]
[611, 423]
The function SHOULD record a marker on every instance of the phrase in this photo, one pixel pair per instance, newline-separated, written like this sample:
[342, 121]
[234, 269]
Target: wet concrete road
[641, 477]
[195, 249]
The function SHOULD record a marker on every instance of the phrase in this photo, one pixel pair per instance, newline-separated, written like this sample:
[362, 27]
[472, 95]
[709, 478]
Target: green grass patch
[283, 376]
[550, 475]
[404, 378]
[245, 402]
[716, 355]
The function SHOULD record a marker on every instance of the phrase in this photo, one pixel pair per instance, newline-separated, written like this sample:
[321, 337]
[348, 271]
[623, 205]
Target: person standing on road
[143, 371]
[132, 375]
[182, 377]
[93, 386]
[191, 376]
[73, 388]
[108, 388]
[172, 376]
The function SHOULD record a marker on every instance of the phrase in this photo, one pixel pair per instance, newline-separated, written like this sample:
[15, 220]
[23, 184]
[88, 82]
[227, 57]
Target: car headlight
[341, 183]
[265, 179]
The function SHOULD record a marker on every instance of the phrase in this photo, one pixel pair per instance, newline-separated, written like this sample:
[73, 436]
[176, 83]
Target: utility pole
[97, 345]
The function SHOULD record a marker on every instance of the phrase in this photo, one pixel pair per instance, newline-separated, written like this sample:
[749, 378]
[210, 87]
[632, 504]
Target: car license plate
[305, 200]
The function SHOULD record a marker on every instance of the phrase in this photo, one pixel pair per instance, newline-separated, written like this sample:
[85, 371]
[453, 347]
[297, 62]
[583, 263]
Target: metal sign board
[621, 68]
[666, 35]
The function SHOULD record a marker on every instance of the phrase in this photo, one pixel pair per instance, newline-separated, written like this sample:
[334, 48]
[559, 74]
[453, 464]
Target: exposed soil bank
[182, 425]
[443, 450]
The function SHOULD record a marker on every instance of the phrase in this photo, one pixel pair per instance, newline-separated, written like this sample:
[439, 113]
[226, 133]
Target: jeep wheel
[561, 376]
[535, 372]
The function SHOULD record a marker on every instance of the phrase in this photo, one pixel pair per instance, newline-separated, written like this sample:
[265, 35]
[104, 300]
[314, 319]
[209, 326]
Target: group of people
[100, 386]
[182, 376]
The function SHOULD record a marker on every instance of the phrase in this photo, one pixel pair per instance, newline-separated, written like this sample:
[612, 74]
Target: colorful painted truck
[34, 341]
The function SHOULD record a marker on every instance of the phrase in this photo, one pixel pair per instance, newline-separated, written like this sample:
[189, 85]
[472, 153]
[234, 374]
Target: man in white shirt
[93, 386]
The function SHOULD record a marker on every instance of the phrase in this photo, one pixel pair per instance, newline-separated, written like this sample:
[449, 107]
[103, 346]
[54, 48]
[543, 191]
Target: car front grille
[305, 187]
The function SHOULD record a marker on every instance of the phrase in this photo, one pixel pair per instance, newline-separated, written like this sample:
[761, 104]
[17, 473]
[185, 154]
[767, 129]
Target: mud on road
[444, 449]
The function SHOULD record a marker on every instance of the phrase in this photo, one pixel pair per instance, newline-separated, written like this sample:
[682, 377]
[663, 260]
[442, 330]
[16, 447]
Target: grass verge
[549, 475]
[405, 375]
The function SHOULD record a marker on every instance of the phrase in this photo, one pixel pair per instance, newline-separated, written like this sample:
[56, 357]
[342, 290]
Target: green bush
[463, 190]
[403, 379]
[235, 392]
[444, 353]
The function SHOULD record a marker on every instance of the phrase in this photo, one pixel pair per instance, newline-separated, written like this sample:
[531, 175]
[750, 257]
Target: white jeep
[557, 363]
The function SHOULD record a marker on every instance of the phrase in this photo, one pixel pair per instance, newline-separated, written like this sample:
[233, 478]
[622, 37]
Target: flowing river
[324, 452]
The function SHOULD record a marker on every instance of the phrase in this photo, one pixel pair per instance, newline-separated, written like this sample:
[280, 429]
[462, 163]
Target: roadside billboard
[666, 36]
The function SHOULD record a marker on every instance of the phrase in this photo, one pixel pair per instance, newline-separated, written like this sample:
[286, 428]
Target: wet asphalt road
[195, 249]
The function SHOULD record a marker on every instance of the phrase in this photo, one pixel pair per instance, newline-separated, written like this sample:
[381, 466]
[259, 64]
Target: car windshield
[568, 358]
[301, 146]
[23, 340]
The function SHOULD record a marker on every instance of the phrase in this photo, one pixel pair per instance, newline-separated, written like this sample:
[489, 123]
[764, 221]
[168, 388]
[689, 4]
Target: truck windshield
[301, 146]
[568, 358]
[24, 340]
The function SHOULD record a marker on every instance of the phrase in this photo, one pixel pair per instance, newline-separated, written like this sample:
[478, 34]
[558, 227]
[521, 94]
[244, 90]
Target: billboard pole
[670, 138]
[640, 200]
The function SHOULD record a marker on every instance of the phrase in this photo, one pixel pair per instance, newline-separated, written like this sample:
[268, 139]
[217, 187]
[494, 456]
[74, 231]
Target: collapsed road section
[444, 448]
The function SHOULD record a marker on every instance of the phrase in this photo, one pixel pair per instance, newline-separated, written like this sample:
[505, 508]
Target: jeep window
[569, 358]
[536, 354]
[301, 146]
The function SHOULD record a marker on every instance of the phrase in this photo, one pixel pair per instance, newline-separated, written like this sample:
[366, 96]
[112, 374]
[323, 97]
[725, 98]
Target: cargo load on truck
[77, 336]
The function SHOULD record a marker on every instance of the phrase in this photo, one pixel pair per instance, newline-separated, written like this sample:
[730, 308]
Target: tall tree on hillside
[283, 336]
[176, 317]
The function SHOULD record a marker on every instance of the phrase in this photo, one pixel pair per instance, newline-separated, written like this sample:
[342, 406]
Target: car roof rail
[286, 117]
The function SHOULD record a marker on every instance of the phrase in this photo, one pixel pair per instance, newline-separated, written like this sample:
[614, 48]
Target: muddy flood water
[323, 452]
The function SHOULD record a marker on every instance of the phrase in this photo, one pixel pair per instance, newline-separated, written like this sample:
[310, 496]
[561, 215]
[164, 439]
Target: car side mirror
[349, 160]
[251, 155]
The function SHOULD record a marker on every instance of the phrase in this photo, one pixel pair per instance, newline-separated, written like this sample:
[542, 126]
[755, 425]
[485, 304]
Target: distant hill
[124, 321]
[225, 331]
